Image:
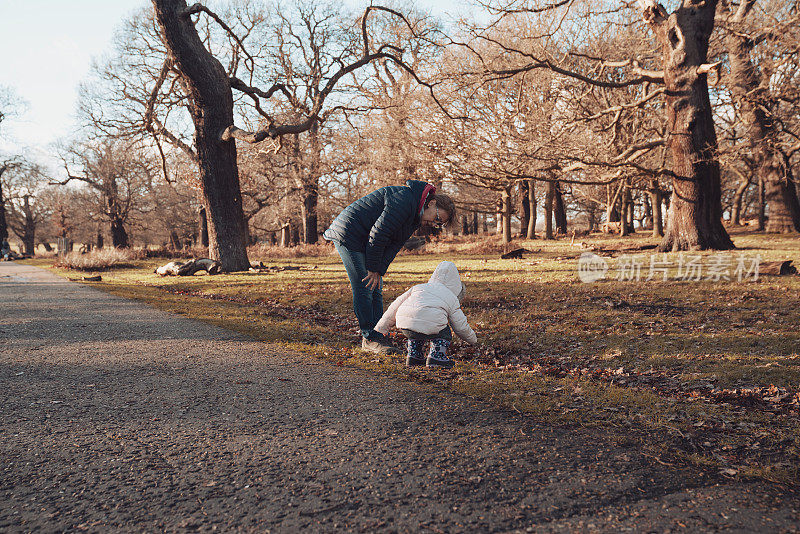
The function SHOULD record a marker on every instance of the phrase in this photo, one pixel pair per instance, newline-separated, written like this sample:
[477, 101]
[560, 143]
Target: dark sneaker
[411, 361]
[379, 347]
[442, 362]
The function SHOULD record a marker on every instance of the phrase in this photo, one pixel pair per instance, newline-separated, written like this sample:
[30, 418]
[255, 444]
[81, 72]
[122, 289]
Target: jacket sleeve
[389, 317]
[382, 243]
[459, 324]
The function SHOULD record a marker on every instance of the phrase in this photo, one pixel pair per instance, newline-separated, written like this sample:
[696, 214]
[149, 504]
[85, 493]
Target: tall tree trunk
[506, 199]
[286, 235]
[525, 208]
[655, 204]
[736, 202]
[755, 107]
[309, 209]
[612, 200]
[498, 214]
[3, 223]
[309, 183]
[311, 190]
[762, 206]
[647, 218]
[211, 108]
[532, 209]
[202, 227]
[559, 210]
[631, 213]
[29, 240]
[475, 222]
[780, 196]
[625, 200]
[694, 221]
[548, 210]
[119, 236]
[27, 231]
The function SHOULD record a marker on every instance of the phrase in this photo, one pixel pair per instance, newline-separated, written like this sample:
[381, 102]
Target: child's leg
[438, 354]
[415, 352]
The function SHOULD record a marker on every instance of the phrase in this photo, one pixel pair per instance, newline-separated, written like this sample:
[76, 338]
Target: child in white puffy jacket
[426, 312]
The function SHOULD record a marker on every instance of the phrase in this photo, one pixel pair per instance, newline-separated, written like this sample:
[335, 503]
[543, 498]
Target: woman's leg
[366, 303]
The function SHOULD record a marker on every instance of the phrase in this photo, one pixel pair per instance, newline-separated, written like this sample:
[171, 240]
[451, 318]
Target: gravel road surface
[118, 417]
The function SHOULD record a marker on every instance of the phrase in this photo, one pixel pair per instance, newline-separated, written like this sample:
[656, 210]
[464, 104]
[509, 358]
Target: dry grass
[681, 368]
[97, 259]
[263, 252]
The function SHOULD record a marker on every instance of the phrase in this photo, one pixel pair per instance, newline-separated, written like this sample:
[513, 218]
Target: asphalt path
[115, 416]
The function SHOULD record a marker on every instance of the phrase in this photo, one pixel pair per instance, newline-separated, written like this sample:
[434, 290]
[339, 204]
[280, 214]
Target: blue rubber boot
[438, 354]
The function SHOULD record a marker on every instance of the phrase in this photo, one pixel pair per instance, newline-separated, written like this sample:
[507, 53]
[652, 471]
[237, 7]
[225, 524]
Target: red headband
[429, 190]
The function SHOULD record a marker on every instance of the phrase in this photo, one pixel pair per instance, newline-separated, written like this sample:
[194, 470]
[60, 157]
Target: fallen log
[176, 268]
[777, 268]
[515, 254]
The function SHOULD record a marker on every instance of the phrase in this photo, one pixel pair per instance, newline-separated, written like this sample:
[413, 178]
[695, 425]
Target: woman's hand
[372, 280]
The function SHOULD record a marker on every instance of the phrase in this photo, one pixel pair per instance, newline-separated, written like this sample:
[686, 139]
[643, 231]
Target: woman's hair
[444, 202]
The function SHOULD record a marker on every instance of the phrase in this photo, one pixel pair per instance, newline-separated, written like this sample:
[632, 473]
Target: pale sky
[46, 50]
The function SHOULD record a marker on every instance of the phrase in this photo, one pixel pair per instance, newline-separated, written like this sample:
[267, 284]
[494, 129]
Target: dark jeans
[368, 304]
[444, 334]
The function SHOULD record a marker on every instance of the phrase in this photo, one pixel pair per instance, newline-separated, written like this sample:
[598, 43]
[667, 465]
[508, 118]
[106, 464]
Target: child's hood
[447, 275]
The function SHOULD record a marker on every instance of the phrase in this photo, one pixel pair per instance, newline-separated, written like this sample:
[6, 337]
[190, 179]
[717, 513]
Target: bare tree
[558, 44]
[6, 167]
[694, 220]
[116, 173]
[23, 184]
[178, 59]
[10, 104]
[750, 86]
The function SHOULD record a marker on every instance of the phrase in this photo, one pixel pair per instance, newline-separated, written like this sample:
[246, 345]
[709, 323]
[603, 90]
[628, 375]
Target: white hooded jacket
[429, 308]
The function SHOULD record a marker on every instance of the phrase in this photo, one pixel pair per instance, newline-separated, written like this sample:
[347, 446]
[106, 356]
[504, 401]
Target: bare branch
[150, 105]
[616, 109]
[172, 139]
[387, 52]
[198, 8]
[163, 159]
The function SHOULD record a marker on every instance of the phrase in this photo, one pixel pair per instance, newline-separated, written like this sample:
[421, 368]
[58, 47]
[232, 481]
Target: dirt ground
[118, 417]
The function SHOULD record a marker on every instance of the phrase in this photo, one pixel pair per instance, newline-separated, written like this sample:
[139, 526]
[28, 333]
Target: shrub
[265, 252]
[472, 244]
[171, 253]
[97, 259]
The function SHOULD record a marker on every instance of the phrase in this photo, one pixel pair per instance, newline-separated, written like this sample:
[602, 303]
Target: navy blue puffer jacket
[380, 223]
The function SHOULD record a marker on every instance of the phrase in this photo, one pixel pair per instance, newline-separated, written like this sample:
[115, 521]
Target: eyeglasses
[437, 221]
